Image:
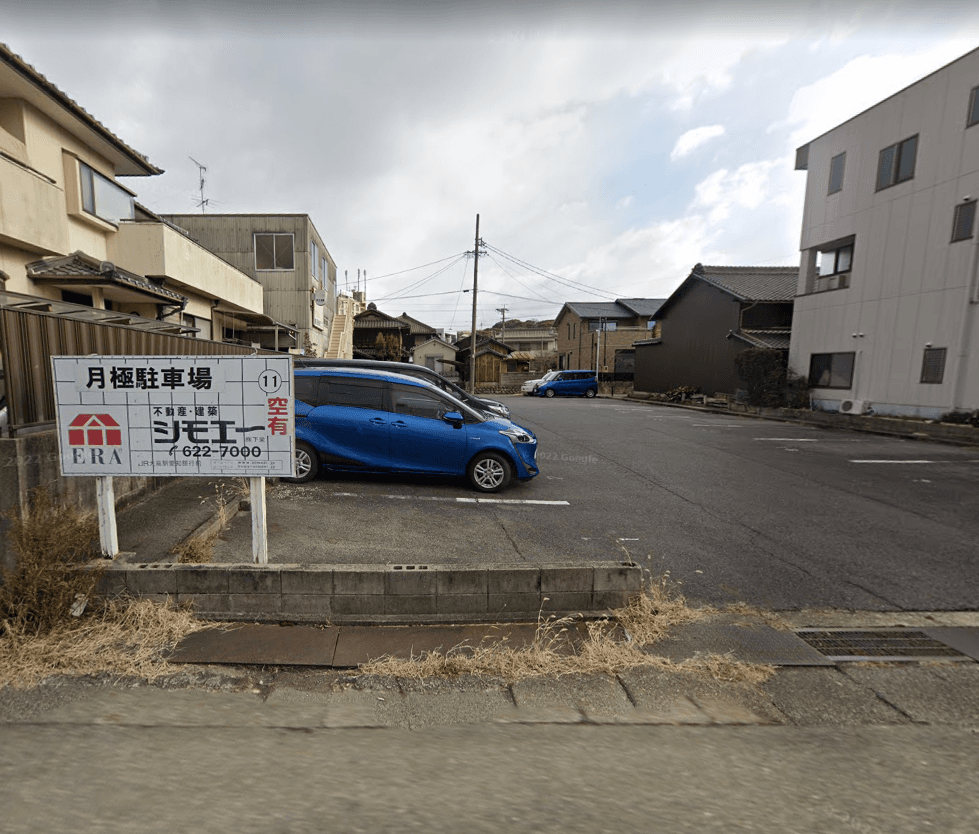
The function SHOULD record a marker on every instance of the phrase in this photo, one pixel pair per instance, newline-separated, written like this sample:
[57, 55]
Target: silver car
[529, 388]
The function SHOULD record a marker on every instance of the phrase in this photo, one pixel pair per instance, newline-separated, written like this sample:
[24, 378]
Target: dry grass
[52, 541]
[197, 550]
[610, 645]
[122, 639]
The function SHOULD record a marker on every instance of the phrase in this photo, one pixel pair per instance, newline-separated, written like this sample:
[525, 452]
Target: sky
[606, 147]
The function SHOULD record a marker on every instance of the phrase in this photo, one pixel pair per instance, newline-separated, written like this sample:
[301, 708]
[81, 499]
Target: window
[103, 198]
[896, 163]
[314, 257]
[836, 166]
[356, 393]
[831, 370]
[933, 365]
[964, 220]
[273, 251]
[973, 118]
[834, 261]
[417, 402]
[307, 389]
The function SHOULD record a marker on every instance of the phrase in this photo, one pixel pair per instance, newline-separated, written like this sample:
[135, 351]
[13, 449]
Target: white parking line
[788, 439]
[895, 461]
[451, 499]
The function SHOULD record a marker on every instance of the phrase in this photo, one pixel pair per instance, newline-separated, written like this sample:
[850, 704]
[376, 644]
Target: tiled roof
[773, 339]
[642, 306]
[623, 308]
[415, 325]
[80, 265]
[139, 165]
[752, 283]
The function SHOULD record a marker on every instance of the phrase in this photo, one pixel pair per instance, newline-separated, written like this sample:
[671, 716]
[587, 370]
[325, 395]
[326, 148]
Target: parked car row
[368, 419]
[563, 384]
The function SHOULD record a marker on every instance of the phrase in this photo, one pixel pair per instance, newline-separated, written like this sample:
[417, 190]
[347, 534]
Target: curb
[886, 426]
[380, 594]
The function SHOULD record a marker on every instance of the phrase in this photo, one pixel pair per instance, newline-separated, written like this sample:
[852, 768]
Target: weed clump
[54, 543]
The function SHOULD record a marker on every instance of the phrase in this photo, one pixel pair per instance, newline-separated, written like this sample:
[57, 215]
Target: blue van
[376, 421]
[570, 384]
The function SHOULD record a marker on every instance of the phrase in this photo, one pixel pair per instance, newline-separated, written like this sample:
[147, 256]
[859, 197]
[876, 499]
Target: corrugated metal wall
[29, 339]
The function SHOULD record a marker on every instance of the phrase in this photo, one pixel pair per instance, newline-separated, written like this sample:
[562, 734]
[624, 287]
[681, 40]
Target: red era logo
[94, 430]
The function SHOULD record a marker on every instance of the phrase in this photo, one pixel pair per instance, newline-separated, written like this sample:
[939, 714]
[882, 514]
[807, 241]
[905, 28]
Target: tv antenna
[201, 169]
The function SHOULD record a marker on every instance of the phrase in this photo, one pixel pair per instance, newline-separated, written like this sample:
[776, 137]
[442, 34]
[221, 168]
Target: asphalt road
[736, 509]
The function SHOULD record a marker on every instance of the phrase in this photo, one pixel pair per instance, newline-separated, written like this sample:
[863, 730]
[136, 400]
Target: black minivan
[492, 407]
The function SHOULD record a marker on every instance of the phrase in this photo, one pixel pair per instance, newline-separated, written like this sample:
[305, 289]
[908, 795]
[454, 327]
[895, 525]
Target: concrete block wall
[349, 594]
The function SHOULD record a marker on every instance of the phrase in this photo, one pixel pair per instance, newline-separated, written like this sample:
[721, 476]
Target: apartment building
[289, 259]
[887, 300]
[72, 234]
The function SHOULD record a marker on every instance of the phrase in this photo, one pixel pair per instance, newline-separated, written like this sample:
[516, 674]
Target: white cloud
[693, 139]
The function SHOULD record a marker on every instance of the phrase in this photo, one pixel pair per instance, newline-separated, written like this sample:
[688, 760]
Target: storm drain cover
[879, 644]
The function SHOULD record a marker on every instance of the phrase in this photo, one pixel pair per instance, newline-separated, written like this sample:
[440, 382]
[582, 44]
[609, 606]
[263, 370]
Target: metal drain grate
[884, 644]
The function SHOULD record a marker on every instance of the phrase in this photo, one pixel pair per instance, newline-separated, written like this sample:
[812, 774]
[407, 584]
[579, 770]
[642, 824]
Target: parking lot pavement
[387, 521]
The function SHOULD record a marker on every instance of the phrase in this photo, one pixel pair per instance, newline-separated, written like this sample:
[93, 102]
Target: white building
[888, 297]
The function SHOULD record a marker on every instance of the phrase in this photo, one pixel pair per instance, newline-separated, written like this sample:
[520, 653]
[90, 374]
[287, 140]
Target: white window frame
[275, 251]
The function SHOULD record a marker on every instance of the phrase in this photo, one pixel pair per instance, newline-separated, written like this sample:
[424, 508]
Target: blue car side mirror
[453, 417]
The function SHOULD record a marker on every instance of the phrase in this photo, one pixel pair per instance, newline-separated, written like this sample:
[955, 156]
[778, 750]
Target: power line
[551, 276]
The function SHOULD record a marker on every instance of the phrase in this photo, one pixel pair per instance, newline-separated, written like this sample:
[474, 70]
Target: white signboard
[175, 415]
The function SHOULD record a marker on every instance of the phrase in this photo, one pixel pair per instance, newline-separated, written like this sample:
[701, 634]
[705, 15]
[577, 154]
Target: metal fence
[28, 340]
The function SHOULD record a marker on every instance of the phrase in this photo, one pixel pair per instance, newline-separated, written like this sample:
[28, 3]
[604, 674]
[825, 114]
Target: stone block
[450, 580]
[610, 600]
[113, 583]
[363, 580]
[257, 580]
[198, 579]
[409, 582]
[618, 577]
[254, 603]
[461, 603]
[513, 580]
[567, 602]
[307, 605]
[315, 580]
[357, 604]
[151, 579]
[405, 604]
[566, 580]
[207, 603]
[522, 604]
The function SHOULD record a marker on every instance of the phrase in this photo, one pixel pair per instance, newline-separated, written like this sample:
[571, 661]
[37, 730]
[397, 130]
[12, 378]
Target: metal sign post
[225, 416]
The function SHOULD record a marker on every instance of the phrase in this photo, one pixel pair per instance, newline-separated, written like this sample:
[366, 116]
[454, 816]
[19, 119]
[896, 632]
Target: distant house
[591, 334]
[418, 331]
[438, 355]
[537, 341]
[491, 358]
[380, 336]
[716, 313]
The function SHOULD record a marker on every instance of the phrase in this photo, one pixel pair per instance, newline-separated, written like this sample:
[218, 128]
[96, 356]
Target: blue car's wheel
[307, 463]
[549, 392]
[489, 472]
[590, 393]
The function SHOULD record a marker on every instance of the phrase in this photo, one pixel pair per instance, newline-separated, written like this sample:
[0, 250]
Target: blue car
[358, 420]
[570, 384]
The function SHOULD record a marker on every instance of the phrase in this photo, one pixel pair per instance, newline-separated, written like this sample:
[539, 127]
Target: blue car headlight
[517, 435]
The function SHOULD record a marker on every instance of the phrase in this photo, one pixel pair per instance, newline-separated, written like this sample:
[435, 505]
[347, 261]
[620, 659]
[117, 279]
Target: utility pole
[502, 311]
[472, 333]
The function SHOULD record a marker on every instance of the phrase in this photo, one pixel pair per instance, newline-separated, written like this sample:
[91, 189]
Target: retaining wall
[392, 594]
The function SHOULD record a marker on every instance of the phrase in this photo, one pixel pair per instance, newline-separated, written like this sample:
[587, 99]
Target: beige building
[287, 256]
[438, 355]
[70, 231]
[600, 335]
[887, 306]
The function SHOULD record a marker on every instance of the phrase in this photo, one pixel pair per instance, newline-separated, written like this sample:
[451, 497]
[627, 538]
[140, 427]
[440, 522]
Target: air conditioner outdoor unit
[853, 406]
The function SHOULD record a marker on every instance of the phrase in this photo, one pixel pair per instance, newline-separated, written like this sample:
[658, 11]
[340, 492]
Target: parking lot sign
[175, 415]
